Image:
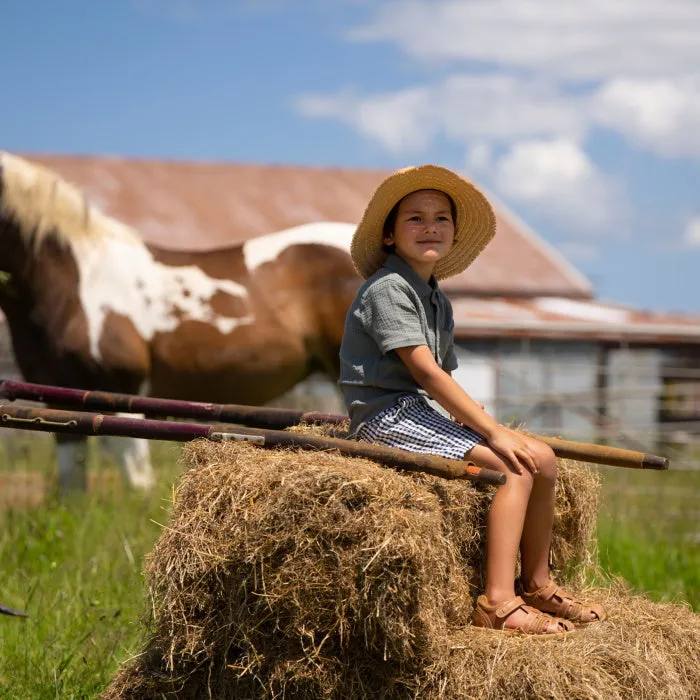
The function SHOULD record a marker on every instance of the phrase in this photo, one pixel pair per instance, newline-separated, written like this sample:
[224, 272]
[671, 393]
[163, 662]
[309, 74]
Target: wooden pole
[84, 423]
[603, 454]
[280, 418]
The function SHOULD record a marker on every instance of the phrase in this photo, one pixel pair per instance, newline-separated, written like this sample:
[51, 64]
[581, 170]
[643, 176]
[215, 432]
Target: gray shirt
[394, 308]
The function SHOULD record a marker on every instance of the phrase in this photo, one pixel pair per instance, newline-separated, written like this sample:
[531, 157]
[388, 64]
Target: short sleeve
[449, 362]
[391, 316]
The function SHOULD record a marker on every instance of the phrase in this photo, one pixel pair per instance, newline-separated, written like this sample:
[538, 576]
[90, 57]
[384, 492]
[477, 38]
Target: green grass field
[75, 567]
[649, 532]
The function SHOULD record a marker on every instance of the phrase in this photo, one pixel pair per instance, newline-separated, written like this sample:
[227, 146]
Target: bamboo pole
[254, 416]
[279, 418]
[604, 454]
[85, 423]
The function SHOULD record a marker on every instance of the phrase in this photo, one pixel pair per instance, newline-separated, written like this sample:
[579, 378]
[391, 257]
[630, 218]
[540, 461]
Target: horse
[90, 305]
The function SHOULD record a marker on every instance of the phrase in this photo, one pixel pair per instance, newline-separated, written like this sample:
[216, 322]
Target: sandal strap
[509, 607]
[539, 622]
[546, 592]
[569, 608]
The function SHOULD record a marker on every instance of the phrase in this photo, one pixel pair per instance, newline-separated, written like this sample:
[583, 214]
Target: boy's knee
[546, 462]
[522, 481]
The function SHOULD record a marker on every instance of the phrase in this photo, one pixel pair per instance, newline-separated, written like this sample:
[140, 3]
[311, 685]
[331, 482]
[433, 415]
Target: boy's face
[424, 231]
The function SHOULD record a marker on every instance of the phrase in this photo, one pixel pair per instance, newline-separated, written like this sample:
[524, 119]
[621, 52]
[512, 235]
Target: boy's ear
[388, 238]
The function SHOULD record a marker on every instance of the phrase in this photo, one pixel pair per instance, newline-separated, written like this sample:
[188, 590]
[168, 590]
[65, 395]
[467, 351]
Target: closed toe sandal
[493, 618]
[556, 601]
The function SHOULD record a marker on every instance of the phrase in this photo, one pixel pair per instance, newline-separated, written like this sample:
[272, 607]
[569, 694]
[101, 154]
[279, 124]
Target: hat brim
[476, 221]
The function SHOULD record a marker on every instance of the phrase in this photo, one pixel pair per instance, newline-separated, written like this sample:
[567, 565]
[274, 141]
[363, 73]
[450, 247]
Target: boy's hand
[513, 448]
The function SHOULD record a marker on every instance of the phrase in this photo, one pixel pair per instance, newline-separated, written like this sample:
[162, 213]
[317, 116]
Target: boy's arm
[450, 395]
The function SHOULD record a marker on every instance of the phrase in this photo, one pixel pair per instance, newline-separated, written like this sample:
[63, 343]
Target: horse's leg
[71, 453]
[133, 456]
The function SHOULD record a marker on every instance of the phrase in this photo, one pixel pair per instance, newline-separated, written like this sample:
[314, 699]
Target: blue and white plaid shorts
[412, 424]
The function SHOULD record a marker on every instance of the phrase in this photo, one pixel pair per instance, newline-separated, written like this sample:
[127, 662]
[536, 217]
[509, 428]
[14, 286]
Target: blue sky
[583, 117]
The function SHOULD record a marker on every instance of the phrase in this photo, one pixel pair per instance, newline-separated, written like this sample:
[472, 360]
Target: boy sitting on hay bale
[290, 574]
[424, 224]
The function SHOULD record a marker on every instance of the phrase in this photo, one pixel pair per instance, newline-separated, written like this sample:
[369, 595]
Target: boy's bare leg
[505, 524]
[539, 519]
[514, 518]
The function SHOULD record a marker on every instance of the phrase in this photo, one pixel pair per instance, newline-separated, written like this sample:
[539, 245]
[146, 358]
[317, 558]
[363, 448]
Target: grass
[75, 567]
[649, 532]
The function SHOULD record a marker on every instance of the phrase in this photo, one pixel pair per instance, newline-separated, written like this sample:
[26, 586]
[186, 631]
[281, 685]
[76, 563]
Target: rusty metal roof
[569, 319]
[200, 205]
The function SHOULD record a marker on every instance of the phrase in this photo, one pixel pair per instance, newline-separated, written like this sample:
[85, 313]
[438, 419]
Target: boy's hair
[390, 221]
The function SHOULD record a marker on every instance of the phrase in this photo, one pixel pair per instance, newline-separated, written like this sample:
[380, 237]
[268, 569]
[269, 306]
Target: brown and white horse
[89, 305]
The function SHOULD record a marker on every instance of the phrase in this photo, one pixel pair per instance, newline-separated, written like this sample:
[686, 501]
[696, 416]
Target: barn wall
[580, 390]
[549, 386]
[634, 391]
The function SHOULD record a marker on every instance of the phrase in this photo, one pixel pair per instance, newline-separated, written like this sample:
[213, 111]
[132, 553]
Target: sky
[583, 117]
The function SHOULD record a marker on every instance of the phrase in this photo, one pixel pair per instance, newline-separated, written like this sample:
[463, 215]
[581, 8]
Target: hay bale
[311, 575]
[645, 651]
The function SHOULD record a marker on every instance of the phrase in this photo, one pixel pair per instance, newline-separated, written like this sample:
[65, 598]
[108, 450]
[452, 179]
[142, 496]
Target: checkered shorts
[412, 424]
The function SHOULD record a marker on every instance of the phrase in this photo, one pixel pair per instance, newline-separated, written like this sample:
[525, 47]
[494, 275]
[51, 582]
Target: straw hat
[474, 228]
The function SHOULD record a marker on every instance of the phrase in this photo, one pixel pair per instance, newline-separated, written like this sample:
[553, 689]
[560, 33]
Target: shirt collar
[424, 289]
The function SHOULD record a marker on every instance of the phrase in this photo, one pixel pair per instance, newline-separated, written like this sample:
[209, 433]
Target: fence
[637, 400]
[649, 408]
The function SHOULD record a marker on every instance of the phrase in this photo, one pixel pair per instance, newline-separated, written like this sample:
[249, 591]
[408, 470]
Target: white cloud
[579, 251]
[400, 121]
[639, 61]
[594, 39]
[661, 115]
[480, 156]
[544, 166]
[503, 107]
[528, 83]
[557, 69]
[461, 108]
[559, 180]
[692, 233]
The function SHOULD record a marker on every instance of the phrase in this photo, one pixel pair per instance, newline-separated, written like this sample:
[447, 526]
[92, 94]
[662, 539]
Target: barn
[535, 344]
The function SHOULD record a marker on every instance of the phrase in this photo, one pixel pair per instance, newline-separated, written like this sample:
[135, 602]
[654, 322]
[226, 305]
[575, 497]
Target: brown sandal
[493, 618]
[556, 601]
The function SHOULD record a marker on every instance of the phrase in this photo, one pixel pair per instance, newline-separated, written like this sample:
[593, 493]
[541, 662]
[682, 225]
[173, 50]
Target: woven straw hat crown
[474, 228]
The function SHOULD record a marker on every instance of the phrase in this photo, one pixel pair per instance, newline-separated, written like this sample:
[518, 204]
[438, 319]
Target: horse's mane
[41, 202]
